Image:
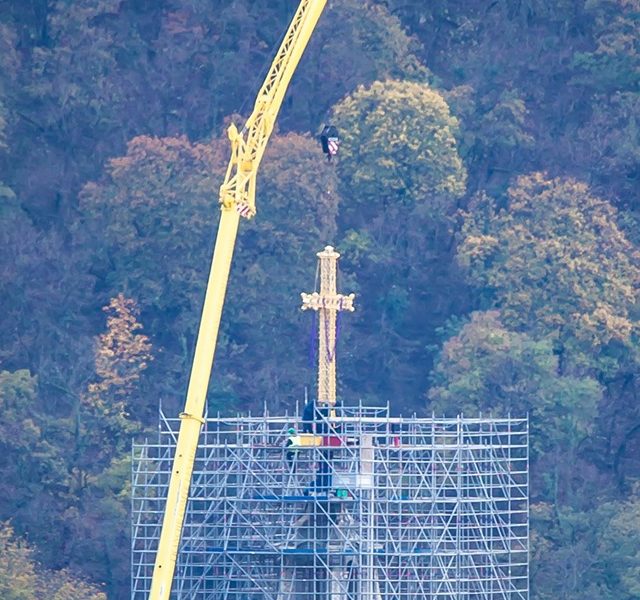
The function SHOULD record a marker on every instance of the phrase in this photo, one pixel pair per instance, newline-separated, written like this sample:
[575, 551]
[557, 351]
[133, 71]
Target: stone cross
[328, 302]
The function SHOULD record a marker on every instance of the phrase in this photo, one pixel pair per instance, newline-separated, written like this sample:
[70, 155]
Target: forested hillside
[486, 202]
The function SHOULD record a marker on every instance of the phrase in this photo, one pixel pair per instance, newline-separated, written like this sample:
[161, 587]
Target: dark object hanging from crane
[330, 141]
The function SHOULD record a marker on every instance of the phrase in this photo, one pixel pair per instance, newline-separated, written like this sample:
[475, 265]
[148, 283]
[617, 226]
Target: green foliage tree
[57, 485]
[173, 67]
[401, 178]
[9, 63]
[487, 368]
[355, 44]
[97, 526]
[96, 515]
[398, 146]
[17, 571]
[614, 63]
[68, 93]
[555, 262]
[155, 209]
[155, 212]
[503, 74]
[21, 578]
[608, 71]
[217, 54]
[495, 133]
[275, 261]
[562, 62]
[564, 553]
[44, 321]
[609, 143]
[619, 547]
[32, 466]
[535, 85]
[586, 553]
[557, 265]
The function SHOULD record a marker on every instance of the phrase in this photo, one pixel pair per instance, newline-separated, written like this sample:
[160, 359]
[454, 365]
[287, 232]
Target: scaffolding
[378, 508]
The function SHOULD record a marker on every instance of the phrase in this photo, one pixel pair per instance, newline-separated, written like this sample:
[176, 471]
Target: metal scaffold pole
[419, 508]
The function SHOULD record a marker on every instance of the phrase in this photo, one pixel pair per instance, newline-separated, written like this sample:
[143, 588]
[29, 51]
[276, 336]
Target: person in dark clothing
[321, 414]
[314, 417]
[308, 416]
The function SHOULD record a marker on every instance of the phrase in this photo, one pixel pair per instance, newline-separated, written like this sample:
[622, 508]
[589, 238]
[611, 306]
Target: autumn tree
[17, 571]
[21, 578]
[174, 68]
[556, 263]
[157, 210]
[94, 511]
[121, 354]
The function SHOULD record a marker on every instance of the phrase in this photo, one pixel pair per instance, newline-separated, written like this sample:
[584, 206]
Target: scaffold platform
[379, 508]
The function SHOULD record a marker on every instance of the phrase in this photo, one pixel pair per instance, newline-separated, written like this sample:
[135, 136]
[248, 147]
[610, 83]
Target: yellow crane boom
[237, 198]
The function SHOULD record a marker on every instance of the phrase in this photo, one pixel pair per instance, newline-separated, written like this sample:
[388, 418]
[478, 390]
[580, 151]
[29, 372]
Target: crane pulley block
[330, 141]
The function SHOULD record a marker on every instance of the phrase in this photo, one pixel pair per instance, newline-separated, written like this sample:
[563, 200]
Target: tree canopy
[485, 202]
[556, 262]
[399, 142]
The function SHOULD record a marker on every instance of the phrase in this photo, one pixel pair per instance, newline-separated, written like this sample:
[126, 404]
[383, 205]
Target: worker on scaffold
[308, 416]
[316, 419]
[292, 445]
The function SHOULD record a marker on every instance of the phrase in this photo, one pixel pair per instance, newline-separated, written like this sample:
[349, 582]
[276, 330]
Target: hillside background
[485, 202]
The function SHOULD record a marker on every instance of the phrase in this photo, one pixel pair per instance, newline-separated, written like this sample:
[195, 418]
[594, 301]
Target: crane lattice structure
[407, 508]
[237, 199]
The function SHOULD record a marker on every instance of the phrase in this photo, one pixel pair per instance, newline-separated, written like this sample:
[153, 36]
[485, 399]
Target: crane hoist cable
[237, 199]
